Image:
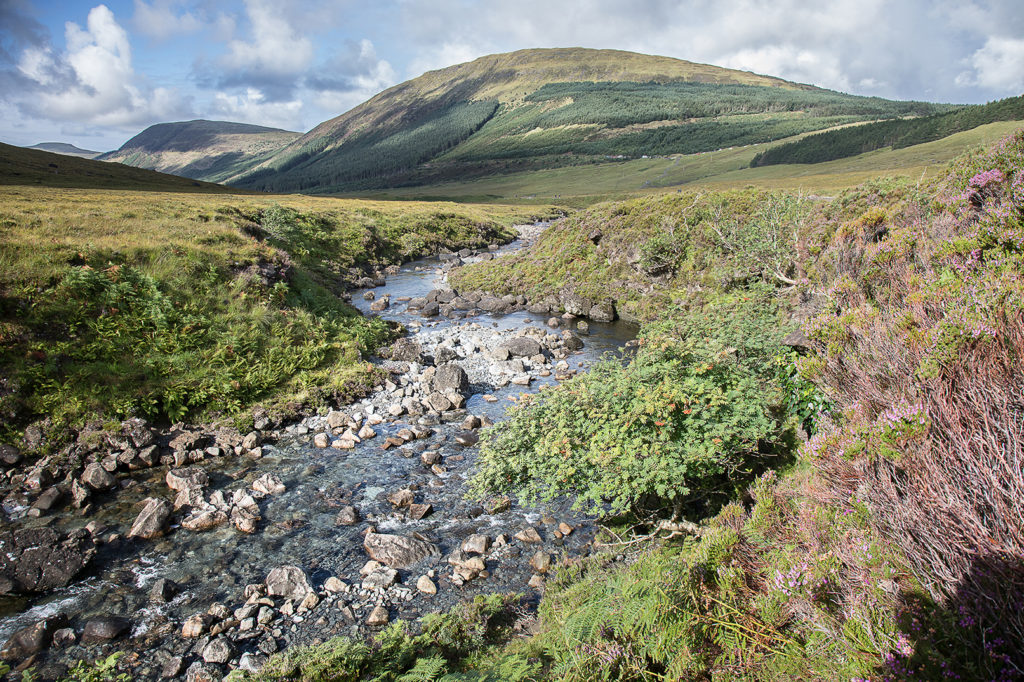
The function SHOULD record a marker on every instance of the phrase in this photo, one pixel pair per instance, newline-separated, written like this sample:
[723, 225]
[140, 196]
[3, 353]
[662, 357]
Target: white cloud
[445, 54]
[253, 107]
[160, 21]
[276, 46]
[998, 64]
[93, 81]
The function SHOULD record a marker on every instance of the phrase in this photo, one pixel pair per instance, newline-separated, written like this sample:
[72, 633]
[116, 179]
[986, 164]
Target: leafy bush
[697, 405]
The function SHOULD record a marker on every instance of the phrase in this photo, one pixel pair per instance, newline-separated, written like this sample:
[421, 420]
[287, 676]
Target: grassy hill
[203, 150]
[545, 108]
[66, 149]
[23, 166]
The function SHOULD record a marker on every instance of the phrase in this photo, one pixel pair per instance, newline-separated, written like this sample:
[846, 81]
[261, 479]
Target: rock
[406, 349]
[98, 478]
[471, 422]
[554, 322]
[79, 494]
[138, 432]
[498, 504]
[268, 484]
[541, 562]
[310, 602]
[251, 663]
[401, 498]
[467, 438]
[49, 499]
[438, 402]
[519, 347]
[251, 440]
[430, 457]
[603, 312]
[426, 585]
[336, 419]
[378, 617]
[583, 327]
[195, 626]
[173, 667]
[104, 629]
[187, 479]
[163, 590]
[347, 516]
[564, 528]
[200, 672]
[152, 520]
[321, 440]
[64, 637]
[218, 651]
[798, 341]
[366, 433]
[529, 535]
[9, 455]
[449, 378]
[536, 581]
[420, 511]
[380, 578]
[190, 497]
[398, 551]
[334, 585]
[381, 304]
[571, 341]
[40, 559]
[476, 544]
[204, 520]
[32, 639]
[38, 478]
[289, 582]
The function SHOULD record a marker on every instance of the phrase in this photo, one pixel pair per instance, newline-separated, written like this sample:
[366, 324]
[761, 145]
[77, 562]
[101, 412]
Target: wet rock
[401, 498]
[571, 341]
[438, 402]
[430, 457]
[152, 520]
[38, 479]
[104, 629]
[204, 520]
[289, 582]
[268, 484]
[529, 535]
[381, 304]
[378, 617]
[498, 504]
[380, 578]
[98, 478]
[64, 637]
[218, 651]
[536, 581]
[39, 559]
[541, 562]
[554, 322]
[347, 516]
[32, 639]
[426, 585]
[583, 327]
[163, 591]
[49, 499]
[398, 551]
[321, 440]
[420, 511]
[195, 626]
[467, 438]
[449, 378]
[476, 544]
[187, 479]
[564, 528]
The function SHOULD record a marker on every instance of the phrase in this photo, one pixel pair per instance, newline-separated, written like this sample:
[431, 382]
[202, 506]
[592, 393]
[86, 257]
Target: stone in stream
[32, 639]
[603, 312]
[401, 498]
[152, 520]
[381, 304]
[64, 637]
[517, 347]
[467, 438]
[420, 511]
[194, 626]
[398, 551]
[378, 617]
[571, 341]
[204, 520]
[185, 479]
[218, 651]
[449, 377]
[289, 582]
[321, 440]
[347, 516]
[268, 484]
[529, 535]
[426, 585]
[163, 591]
[380, 578]
[202, 672]
[541, 562]
[334, 585]
[40, 559]
[98, 478]
[49, 499]
[102, 629]
[476, 544]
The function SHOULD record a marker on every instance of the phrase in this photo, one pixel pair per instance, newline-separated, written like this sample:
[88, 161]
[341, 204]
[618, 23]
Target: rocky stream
[197, 554]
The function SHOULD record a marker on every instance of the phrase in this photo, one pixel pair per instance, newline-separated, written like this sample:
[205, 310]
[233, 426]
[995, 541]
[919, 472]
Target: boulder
[541, 562]
[218, 651]
[449, 377]
[204, 520]
[519, 347]
[603, 312]
[398, 551]
[40, 559]
[406, 350]
[186, 479]
[98, 478]
[380, 578]
[102, 629]
[289, 582]
[32, 639]
[426, 585]
[9, 455]
[347, 516]
[268, 484]
[378, 617]
[152, 520]
[163, 591]
[476, 544]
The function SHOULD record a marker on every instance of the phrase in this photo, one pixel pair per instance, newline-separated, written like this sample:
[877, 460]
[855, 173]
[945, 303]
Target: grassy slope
[189, 305]
[859, 563]
[21, 166]
[582, 185]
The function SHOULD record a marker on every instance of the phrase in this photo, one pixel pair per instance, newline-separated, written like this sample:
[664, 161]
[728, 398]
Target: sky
[96, 74]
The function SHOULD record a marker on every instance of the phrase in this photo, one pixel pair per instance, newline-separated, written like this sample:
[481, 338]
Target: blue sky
[95, 74]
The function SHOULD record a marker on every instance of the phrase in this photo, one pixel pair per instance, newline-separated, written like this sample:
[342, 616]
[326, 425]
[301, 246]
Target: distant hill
[204, 150]
[23, 166]
[66, 149]
[546, 108]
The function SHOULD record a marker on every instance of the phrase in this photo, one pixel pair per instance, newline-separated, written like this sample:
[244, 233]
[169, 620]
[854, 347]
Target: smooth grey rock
[152, 520]
[289, 582]
[398, 551]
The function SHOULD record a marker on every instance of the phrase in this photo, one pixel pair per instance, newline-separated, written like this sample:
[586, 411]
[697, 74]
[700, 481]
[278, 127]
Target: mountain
[33, 167]
[66, 149]
[204, 150]
[546, 108]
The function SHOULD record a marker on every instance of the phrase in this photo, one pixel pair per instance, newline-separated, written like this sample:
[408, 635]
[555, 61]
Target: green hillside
[23, 166]
[203, 150]
[66, 149]
[898, 134]
[547, 108]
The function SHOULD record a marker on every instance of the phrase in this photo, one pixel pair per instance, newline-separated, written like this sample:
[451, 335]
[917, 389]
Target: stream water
[299, 526]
